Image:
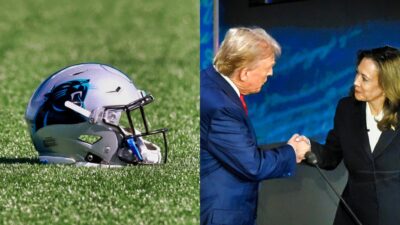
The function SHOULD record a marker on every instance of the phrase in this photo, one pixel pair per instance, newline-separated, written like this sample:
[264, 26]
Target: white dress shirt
[372, 127]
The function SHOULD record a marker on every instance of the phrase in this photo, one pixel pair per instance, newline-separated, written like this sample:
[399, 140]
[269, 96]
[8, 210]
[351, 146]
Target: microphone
[311, 158]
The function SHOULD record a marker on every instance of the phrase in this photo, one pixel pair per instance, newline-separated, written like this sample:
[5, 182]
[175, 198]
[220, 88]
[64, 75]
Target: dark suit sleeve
[231, 142]
[330, 154]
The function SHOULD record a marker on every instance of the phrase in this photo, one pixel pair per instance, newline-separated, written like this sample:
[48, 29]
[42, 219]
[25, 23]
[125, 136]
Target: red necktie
[243, 103]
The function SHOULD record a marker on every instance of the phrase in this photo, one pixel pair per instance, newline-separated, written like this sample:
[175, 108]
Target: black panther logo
[53, 110]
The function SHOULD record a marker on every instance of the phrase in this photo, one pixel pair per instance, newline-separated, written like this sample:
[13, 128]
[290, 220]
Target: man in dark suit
[231, 164]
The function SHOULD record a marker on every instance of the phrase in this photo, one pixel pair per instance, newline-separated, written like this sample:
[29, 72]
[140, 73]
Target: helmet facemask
[133, 148]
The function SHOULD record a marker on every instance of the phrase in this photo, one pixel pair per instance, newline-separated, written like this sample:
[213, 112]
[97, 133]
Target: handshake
[301, 145]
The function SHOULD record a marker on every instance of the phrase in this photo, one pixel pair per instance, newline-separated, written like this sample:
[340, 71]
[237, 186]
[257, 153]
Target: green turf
[156, 44]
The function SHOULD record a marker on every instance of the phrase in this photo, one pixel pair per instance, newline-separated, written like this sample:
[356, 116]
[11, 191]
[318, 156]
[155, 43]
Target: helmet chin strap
[133, 147]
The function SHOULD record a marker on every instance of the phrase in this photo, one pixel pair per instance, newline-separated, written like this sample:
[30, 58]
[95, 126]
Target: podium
[304, 199]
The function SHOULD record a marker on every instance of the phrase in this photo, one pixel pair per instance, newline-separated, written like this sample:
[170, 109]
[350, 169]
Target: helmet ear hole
[92, 158]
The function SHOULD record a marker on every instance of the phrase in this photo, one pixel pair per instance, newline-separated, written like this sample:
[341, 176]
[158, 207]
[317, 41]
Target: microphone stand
[312, 159]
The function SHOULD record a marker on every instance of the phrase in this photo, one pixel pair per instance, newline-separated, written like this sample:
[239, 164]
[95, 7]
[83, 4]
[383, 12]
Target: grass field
[156, 44]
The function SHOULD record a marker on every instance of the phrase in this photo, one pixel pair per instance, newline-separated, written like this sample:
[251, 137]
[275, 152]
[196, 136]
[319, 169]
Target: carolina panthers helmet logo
[53, 110]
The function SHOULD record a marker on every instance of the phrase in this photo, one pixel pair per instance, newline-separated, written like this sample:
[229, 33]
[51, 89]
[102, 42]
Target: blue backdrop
[206, 33]
[316, 69]
[317, 65]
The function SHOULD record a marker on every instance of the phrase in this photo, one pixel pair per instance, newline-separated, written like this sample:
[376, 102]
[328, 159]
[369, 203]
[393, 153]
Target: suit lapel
[225, 86]
[361, 126]
[230, 92]
[384, 140]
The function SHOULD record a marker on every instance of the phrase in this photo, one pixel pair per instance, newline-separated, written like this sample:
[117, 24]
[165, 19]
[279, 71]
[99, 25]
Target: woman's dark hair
[379, 55]
[387, 60]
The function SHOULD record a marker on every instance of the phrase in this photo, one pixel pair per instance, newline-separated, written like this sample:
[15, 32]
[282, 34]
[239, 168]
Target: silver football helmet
[83, 115]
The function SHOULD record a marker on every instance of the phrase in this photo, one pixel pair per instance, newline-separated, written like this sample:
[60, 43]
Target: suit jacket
[231, 165]
[373, 186]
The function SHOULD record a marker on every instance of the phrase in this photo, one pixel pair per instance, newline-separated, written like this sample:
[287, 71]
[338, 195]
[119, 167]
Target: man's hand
[301, 146]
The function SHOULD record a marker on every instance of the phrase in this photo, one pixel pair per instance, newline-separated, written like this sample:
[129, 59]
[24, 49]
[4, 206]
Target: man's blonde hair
[243, 47]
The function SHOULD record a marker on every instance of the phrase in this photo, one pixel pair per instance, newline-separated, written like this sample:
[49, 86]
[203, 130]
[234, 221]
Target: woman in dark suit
[366, 137]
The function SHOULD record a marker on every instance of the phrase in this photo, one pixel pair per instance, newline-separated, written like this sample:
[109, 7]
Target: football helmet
[83, 114]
